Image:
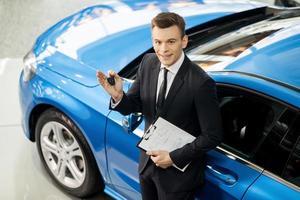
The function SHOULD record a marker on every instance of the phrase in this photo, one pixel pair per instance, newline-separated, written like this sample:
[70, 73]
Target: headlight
[29, 70]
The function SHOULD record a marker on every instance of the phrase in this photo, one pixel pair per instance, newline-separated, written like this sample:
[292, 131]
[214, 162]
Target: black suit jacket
[191, 104]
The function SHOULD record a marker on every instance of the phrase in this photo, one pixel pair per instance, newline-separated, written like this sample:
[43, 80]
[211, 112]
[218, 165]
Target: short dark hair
[168, 19]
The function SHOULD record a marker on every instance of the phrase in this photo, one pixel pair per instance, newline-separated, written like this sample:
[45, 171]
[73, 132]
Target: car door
[229, 171]
[122, 153]
[227, 176]
[235, 165]
[281, 148]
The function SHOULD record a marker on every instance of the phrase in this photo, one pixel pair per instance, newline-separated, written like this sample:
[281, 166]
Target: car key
[111, 80]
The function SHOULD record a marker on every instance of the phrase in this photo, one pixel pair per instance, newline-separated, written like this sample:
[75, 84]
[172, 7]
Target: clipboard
[163, 135]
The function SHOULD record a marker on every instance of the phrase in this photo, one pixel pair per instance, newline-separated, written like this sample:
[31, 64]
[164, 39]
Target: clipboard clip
[149, 132]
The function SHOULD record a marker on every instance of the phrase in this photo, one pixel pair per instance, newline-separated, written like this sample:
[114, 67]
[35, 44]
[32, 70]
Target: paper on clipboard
[163, 135]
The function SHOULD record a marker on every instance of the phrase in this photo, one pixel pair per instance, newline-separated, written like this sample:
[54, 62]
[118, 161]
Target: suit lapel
[176, 85]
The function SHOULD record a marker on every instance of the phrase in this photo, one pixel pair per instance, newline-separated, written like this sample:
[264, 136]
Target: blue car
[251, 51]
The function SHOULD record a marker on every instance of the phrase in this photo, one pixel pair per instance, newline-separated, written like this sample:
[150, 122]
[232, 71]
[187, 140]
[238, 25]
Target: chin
[167, 63]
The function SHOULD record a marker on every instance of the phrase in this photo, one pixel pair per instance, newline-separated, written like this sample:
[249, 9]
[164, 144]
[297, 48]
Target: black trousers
[152, 190]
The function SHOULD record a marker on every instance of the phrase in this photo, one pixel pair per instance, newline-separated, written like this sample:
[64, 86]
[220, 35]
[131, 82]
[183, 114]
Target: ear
[185, 40]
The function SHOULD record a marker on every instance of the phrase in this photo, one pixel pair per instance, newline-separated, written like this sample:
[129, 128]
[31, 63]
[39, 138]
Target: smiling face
[168, 44]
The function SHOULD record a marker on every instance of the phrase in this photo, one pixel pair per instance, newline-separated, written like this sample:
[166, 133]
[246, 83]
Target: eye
[157, 42]
[171, 41]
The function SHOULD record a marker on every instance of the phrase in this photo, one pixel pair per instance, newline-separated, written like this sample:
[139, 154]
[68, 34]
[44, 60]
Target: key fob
[111, 80]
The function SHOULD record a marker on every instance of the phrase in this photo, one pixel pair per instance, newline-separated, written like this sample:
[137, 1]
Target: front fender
[86, 107]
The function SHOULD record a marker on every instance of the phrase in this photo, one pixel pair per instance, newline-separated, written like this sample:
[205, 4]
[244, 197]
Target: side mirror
[131, 122]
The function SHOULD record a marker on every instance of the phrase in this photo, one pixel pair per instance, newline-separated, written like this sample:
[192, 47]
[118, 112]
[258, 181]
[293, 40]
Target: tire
[66, 155]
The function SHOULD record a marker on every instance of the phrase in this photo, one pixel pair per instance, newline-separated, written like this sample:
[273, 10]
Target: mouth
[166, 57]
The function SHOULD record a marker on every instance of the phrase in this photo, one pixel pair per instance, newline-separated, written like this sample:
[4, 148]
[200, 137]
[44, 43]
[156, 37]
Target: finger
[153, 153]
[111, 73]
[117, 77]
[101, 78]
[154, 159]
[100, 75]
[149, 153]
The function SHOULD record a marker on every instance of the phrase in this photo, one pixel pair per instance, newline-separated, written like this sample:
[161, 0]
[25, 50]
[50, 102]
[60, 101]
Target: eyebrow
[167, 39]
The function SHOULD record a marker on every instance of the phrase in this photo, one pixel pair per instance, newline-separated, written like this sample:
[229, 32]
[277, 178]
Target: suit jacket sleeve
[131, 101]
[209, 118]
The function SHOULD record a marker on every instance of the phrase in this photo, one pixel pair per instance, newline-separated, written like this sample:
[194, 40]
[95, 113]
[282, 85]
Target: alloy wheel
[63, 154]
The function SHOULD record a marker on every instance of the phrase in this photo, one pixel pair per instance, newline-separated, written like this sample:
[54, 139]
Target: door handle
[218, 173]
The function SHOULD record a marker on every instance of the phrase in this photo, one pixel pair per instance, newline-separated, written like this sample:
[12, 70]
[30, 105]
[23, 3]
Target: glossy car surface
[251, 51]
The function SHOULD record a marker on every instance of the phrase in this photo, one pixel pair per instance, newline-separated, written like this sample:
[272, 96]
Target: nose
[164, 47]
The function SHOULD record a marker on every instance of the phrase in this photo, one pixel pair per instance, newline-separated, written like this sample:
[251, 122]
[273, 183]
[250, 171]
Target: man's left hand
[160, 158]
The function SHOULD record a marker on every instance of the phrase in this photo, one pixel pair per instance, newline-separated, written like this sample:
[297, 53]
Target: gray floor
[21, 173]
[21, 21]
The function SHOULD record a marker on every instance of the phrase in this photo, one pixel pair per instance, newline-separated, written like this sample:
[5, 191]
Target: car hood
[109, 36]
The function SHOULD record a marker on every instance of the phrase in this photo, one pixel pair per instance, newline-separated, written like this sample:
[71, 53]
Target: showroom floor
[21, 172]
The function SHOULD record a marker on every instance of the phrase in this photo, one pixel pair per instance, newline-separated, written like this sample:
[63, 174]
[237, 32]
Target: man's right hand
[116, 90]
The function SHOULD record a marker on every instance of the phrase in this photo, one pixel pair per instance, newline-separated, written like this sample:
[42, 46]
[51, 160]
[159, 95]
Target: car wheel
[66, 154]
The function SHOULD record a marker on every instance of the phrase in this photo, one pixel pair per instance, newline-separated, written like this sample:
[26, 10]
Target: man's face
[168, 44]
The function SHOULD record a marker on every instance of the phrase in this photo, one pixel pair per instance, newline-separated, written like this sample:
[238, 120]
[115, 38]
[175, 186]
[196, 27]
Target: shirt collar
[175, 67]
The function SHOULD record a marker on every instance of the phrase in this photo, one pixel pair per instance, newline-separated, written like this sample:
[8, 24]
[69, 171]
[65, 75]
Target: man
[170, 86]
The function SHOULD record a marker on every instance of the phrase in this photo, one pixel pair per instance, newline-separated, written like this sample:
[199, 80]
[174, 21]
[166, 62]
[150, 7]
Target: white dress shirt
[172, 71]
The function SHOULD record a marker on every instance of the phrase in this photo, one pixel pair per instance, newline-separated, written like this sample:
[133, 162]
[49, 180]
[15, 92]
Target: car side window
[275, 149]
[291, 170]
[261, 131]
[246, 118]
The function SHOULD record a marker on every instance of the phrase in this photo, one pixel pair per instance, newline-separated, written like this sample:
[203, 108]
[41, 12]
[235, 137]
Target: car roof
[258, 85]
[275, 58]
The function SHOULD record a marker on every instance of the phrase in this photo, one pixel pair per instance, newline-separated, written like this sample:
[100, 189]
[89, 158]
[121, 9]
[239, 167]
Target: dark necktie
[162, 93]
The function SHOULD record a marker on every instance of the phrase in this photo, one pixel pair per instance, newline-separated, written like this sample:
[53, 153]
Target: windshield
[219, 52]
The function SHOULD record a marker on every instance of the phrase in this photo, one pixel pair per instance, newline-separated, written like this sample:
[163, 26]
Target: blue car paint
[111, 192]
[52, 34]
[124, 177]
[26, 104]
[43, 92]
[120, 151]
[271, 60]
[216, 188]
[98, 53]
[259, 85]
[87, 102]
[96, 56]
[269, 189]
[72, 69]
